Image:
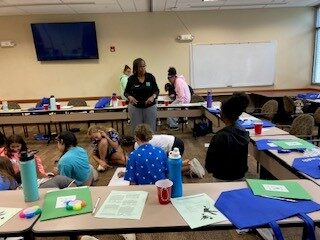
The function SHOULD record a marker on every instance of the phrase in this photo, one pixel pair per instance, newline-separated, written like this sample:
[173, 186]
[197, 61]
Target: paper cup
[46, 106]
[124, 102]
[258, 127]
[58, 105]
[164, 188]
[166, 103]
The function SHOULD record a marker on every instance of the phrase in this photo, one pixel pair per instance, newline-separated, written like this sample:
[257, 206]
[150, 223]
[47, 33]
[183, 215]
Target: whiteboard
[232, 65]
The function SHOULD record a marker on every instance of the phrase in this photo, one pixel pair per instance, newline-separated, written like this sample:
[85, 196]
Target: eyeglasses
[143, 66]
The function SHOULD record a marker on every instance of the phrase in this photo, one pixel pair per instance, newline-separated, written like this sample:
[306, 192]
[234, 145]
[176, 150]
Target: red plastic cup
[258, 127]
[46, 106]
[164, 188]
[58, 105]
[124, 103]
[166, 103]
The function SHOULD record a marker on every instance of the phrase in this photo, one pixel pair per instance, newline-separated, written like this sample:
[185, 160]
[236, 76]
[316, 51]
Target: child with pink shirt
[15, 145]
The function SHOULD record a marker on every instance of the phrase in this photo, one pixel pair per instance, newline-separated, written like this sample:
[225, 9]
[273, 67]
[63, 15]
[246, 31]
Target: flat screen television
[65, 41]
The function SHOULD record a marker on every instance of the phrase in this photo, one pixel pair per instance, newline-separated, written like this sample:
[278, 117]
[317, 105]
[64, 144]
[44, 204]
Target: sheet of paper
[116, 181]
[198, 210]
[7, 213]
[62, 201]
[123, 205]
[278, 188]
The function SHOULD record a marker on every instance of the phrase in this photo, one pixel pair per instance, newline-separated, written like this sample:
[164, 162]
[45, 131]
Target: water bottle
[29, 177]
[175, 175]
[209, 100]
[114, 100]
[52, 103]
[5, 106]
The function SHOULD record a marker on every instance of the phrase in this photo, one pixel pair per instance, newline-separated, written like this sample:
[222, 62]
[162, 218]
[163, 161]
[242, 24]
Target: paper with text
[123, 205]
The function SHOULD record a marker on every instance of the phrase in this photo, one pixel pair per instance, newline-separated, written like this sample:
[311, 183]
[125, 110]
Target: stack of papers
[279, 189]
[198, 210]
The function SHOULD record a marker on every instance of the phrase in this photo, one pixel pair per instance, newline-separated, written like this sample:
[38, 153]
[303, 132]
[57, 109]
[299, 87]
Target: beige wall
[152, 37]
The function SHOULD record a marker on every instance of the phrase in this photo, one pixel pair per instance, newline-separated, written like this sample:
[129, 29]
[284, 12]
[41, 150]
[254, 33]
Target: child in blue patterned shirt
[148, 163]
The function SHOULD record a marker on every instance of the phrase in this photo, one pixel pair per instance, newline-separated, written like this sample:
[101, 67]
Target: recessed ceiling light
[210, 0]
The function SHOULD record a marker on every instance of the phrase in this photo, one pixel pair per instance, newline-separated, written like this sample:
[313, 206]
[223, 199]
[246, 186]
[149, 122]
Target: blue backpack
[102, 102]
[245, 210]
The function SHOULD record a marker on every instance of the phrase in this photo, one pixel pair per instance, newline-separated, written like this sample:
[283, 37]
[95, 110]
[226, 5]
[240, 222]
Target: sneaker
[130, 236]
[174, 128]
[265, 233]
[100, 168]
[196, 168]
[94, 173]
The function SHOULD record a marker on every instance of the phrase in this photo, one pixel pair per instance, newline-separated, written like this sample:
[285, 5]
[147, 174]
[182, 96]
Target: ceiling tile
[11, 11]
[158, 5]
[95, 8]
[142, 5]
[89, 1]
[50, 9]
[127, 5]
[27, 2]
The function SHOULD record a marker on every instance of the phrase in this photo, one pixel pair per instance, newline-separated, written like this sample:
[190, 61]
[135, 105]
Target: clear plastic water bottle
[209, 99]
[175, 175]
[29, 177]
[114, 100]
[5, 106]
[52, 103]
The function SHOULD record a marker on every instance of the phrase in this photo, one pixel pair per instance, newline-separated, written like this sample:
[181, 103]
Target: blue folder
[266, 144]
[312, 95]
[249, 124]
[214, 110]
[245, 210]
[308, 165]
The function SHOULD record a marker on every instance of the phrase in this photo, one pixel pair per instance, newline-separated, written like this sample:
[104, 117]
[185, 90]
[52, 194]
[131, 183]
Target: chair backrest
[196, 98]
[269, 109]
[302, 125]
[13, 105]
[288, 105]
[77, 102]
[316, 116]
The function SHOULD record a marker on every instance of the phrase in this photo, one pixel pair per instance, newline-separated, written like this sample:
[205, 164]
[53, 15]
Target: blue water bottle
[209, 100]
[29, 177]
[175, 167]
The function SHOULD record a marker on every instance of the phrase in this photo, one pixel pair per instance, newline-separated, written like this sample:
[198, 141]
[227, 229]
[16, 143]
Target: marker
[96, 205]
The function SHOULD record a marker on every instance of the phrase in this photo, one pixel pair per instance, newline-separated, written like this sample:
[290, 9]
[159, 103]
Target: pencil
[96, 205]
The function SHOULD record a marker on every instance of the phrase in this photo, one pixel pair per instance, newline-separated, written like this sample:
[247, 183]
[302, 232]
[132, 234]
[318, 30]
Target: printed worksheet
[123, 205]
[198, 210]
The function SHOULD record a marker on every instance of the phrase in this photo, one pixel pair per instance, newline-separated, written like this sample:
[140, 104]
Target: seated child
[15, 145]
[228, 151]
[106, 148]
[9, 180]
[166, 143]
[74, 161]
[148, 163]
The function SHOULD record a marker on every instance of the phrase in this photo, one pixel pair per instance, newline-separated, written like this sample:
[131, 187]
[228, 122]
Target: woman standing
[141, 91]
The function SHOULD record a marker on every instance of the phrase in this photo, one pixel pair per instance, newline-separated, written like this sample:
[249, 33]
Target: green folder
[278, 188]
[293, 144]
[55, 201]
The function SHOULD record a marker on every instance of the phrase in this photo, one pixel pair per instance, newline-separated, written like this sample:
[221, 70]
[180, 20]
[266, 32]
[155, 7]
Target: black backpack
[202, 128]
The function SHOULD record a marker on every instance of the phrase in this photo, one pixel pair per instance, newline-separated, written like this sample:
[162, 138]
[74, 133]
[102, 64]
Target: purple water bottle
[209, 100]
